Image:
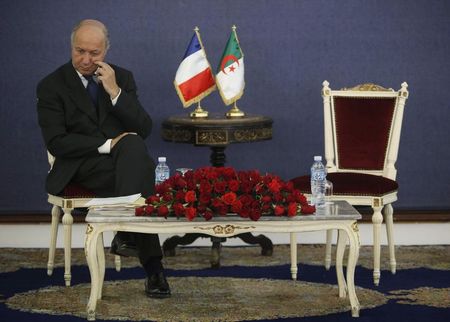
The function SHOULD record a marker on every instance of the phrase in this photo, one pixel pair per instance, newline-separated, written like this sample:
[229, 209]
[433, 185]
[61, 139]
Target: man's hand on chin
[107, 76]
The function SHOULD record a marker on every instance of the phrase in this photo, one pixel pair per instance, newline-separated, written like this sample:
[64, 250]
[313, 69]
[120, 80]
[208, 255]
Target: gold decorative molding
[377, 202]
[67, 204]
[176, 135]
[89, 229]
[368, 87]
[355, 228]
[224, 230]
[211, 137]
[252, 135]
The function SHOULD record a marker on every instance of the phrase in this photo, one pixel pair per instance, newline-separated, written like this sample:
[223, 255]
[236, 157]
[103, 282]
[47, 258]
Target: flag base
[198, 113]
[234, 112]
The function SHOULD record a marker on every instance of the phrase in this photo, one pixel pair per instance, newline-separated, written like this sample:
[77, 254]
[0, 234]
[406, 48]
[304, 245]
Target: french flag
[194, 78]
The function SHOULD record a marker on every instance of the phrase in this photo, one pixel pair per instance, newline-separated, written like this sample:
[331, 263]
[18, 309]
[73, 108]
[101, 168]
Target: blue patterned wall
[290, 47]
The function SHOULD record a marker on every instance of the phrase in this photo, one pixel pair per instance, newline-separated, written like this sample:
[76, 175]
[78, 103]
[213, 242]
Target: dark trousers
[127, 170]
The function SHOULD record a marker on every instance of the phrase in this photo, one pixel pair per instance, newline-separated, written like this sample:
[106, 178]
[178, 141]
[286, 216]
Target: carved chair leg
[328, 249]
[56, 214]
[67, 221]
[377, 220]
[294, 267]
[389, 220]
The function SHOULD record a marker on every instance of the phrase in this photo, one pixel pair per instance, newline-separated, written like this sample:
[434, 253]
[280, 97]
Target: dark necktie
[92, 88]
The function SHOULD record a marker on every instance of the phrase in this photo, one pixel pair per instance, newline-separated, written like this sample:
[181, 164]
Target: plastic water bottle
[162, 171]
[318, 181]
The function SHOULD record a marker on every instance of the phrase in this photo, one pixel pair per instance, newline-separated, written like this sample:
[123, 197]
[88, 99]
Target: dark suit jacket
[71, 128]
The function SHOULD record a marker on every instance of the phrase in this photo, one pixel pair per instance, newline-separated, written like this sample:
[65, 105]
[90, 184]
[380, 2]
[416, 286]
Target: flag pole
[235, 111]
[199, 112]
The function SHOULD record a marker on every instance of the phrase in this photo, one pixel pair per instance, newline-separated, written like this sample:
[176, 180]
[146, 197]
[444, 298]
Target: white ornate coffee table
[340, 216]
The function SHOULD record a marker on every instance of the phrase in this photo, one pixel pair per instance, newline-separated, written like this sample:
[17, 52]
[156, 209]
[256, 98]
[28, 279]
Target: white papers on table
[116, 203]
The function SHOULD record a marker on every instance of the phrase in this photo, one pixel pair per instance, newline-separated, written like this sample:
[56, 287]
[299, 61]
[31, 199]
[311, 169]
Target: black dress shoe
[156, 286]
[123, 248]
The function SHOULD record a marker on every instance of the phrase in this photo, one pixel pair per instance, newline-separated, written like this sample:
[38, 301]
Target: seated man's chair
[362, 133]
[73, 196]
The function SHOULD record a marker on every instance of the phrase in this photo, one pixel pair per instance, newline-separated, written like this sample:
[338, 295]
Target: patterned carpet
[248, 286]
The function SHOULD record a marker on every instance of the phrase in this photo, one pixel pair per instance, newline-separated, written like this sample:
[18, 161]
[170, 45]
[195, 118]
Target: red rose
[180, 182]
[204, 198]
[307, 209]
[233, 185]
[212, 174]
[190, 213]
[229, 172]
[246, 199]
[149, 210]
[236, 206]
[220, 187]
[299, 197]
[245, 212]
[277, 197]
[266, 207]
[152, 199]
[179, 196]
[223, 210]
[167, 197]
[178, 209]
[278, 210]
[205, 187]
[229, 198]
[274, 186]
[292, 209]
[255, 176]
[190, 196]
[217, 203]
[201, 209]
[246, 186]
[266, 198]
[255, 214]
[208, 215]
[163, 211]
[139, 211]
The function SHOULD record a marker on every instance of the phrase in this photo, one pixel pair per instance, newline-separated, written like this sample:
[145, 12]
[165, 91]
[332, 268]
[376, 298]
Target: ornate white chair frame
[65, 205]
[378, 203]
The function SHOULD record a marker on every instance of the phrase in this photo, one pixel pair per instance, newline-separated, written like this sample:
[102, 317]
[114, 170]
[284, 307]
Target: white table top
[338, 210]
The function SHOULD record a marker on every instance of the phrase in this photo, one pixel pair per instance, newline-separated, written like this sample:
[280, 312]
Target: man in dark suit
[94, 125]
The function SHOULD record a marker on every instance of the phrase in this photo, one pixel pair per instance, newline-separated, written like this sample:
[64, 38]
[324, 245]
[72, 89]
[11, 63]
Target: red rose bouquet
[211, 191]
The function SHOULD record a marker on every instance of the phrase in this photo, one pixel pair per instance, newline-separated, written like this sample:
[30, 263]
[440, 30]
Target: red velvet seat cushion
[73, 190]
[354, 184]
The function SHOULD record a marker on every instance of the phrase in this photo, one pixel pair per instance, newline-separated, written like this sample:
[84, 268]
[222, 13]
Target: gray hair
[92, 23]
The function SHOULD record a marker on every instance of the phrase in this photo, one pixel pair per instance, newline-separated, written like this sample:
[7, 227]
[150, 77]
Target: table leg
[340, 249]
[353, 237]
[171, 243]
[90, 249]
[101, 263]
[263, 241]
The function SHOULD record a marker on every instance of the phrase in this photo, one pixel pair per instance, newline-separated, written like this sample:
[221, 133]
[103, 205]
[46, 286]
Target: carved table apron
[341, 216]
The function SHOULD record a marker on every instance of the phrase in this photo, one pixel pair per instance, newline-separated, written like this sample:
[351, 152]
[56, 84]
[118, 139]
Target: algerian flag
[230, 72]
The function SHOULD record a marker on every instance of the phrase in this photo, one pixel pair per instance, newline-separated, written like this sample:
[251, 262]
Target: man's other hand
[119, 137]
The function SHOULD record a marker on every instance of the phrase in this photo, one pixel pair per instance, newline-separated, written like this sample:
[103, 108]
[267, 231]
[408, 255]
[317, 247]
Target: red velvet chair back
[363, 128]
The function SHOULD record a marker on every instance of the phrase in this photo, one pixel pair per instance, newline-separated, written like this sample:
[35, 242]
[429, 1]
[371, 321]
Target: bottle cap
[161, 159]
[317, 158]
